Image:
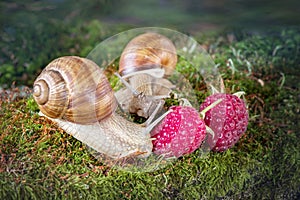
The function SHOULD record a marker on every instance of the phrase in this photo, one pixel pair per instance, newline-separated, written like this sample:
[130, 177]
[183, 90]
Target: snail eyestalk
[153, 124]
[134, 92]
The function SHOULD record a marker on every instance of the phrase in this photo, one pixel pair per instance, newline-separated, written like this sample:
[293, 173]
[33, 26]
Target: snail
[144, 62]
[74, 92]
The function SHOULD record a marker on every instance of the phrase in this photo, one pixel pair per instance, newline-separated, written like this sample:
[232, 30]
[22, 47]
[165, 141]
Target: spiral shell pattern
[148, 51]
[74, 89]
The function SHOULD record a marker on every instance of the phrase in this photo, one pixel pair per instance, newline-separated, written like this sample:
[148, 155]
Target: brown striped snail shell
[148, 51]
[72, 88]
[74, 93]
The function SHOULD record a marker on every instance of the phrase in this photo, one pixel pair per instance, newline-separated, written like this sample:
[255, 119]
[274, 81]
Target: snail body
[149, 93]
[74, 93]
[114, 137]
[145, 62]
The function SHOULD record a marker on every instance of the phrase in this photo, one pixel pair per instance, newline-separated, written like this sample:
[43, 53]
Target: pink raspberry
[228, 120]
[181, 132]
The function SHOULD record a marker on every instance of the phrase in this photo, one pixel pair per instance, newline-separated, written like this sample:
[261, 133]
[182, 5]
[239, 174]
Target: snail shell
[148, 51]
[73, 88]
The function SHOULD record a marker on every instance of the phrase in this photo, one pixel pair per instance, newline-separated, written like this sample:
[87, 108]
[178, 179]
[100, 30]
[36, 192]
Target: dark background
[189, 15]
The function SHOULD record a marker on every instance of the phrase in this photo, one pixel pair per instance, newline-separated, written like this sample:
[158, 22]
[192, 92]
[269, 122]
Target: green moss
[40, 161]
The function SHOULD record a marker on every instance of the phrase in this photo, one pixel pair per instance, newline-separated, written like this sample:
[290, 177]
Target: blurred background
[189, 15]
[34, 32]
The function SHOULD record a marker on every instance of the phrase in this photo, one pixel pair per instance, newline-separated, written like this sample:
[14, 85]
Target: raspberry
[181, 132]
[228, 120]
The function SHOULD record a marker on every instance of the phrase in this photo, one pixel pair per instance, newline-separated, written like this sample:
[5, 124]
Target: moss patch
[39, 160]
